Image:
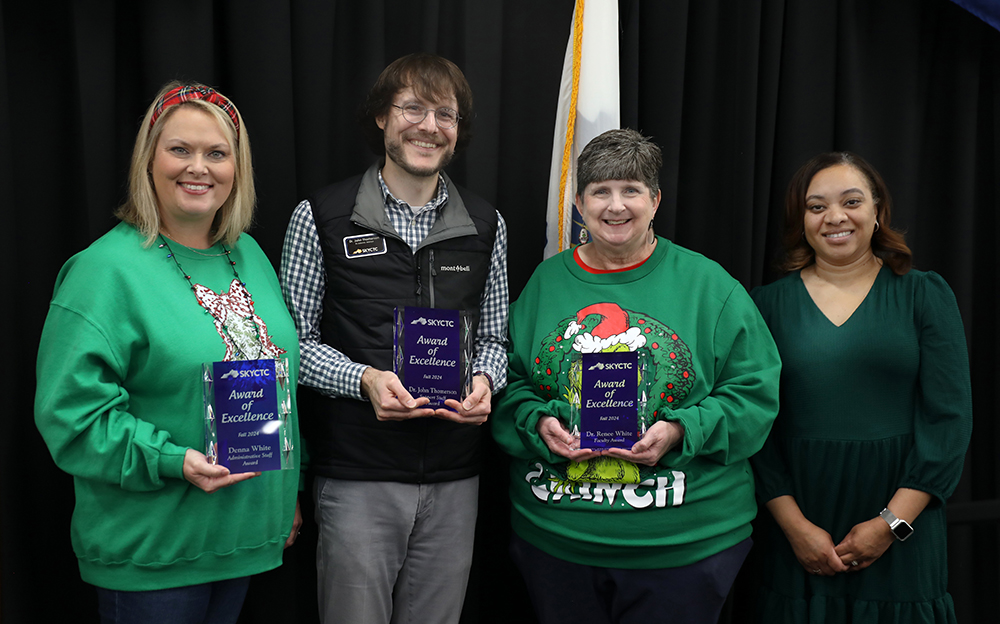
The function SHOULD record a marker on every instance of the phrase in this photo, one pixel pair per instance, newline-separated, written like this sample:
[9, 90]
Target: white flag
[588, 106]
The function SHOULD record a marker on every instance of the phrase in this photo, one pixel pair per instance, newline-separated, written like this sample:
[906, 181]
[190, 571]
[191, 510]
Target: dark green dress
[879, 403]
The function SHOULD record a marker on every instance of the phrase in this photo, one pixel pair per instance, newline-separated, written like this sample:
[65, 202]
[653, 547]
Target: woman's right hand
[560, 441]
[814, 549]
[210, 477]
[813, 546]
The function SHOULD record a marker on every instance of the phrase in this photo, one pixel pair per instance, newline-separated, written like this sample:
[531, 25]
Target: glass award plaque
[613, 397]
[432, 353]
[248, 407]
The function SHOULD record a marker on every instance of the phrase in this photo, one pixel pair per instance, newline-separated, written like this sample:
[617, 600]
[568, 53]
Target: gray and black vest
[344, 439]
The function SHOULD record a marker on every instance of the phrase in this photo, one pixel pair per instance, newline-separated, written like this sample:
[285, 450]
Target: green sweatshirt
[119, 401]
[716, 373]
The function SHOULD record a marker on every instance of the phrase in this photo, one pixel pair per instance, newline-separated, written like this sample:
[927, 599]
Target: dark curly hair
[887, 243]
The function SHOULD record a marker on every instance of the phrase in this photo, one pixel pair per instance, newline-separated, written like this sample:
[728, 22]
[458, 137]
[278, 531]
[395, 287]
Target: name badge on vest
[364, 245]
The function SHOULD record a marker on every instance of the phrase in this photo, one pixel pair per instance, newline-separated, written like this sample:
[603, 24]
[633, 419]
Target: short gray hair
[620, 155]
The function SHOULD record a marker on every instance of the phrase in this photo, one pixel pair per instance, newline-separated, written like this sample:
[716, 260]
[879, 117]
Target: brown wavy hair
[887, 243]
[433, 78]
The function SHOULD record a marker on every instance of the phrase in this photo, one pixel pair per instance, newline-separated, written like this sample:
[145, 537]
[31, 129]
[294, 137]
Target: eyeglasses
[445, 118]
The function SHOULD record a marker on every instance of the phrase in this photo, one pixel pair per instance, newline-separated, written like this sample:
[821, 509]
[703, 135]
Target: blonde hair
[141, 208]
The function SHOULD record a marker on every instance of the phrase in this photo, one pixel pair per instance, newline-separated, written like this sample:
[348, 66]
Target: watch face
[902, 530]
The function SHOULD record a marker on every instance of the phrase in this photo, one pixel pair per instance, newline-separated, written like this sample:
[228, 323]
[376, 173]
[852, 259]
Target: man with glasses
[397, 481]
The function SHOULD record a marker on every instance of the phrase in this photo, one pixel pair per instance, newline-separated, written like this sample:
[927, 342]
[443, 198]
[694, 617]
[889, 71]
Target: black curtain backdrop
[738, 93]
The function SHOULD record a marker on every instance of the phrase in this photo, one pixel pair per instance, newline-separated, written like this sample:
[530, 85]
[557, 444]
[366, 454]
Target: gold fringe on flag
[571, 122]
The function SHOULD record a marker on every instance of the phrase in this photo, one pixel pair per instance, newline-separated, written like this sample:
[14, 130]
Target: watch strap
[901, 529]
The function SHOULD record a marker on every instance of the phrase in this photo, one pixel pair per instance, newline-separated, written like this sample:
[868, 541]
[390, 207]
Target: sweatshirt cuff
[172, 461]
[533, 440]
[690, 445]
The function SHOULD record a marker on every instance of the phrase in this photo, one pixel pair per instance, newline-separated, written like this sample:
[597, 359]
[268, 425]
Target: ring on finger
[816, 571]
[854, 563]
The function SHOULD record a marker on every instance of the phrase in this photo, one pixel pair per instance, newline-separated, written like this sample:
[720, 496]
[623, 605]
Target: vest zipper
[433, 273]
[416, 270]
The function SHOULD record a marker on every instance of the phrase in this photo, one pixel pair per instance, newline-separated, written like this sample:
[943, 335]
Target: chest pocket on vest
[459, 277]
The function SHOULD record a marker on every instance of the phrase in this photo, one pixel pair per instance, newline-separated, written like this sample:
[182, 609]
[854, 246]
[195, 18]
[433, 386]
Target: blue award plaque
[609, 400]
[247, 409]
[432, 353]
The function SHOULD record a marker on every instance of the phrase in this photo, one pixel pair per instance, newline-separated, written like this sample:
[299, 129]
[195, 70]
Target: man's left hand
[474, 410]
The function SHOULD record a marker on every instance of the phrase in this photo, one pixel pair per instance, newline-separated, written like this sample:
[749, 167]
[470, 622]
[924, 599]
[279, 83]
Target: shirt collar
[436, 202]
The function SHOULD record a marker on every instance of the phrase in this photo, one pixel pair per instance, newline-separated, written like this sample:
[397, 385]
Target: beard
[394, 152]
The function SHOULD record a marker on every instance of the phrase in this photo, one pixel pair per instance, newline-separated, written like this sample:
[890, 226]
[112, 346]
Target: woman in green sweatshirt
[654, 531]
[165, 534]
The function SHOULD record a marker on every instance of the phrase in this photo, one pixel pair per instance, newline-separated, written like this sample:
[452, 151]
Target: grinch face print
[607, 327]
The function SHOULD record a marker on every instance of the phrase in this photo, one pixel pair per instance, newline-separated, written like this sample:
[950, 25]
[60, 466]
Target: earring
[876, 226]
[652, 234]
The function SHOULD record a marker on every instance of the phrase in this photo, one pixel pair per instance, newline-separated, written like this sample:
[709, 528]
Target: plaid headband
[186, 94]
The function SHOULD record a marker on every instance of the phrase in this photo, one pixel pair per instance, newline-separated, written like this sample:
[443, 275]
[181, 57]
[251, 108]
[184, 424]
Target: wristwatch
[900, 528]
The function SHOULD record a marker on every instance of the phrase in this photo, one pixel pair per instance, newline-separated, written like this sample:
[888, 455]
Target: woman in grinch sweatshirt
[640, 514]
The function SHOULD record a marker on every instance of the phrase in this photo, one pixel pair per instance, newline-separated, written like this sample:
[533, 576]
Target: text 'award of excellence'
[432, 353]
[248, 407]
[612, 399]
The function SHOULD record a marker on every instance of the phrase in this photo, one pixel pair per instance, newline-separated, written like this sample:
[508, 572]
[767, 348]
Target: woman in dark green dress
[875, 416]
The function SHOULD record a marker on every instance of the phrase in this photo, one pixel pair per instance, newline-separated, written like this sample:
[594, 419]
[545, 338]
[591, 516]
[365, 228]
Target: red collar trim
[590, 269]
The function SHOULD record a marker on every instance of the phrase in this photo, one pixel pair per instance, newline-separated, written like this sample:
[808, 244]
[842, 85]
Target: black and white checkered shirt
[303, 282]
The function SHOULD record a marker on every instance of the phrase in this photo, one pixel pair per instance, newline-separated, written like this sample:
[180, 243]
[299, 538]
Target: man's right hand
[389, 398]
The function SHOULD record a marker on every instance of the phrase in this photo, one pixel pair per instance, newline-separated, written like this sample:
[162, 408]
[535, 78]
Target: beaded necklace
[225, 253]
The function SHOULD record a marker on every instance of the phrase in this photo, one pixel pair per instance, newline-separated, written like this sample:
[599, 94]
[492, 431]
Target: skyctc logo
[611, 366]
[433, 322]
[258, 372]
